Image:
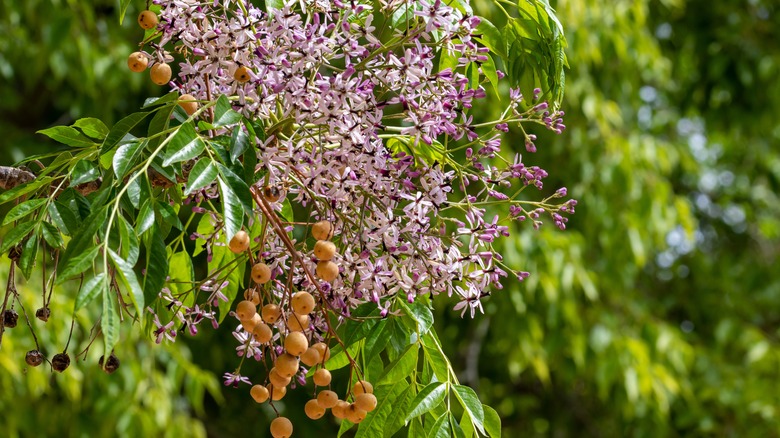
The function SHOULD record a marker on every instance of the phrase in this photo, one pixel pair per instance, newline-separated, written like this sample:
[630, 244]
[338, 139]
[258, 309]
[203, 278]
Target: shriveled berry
[250, 324]
[311, 357]
[366, 402]
[10, 318]
[271, 313]
[302, 303]
[324, 250]
[111, 365]
[278, 380]
[137, 62]
[313, 409]
[340, 409]
[272, 193]
[239, 243]
[355, 414]
[147, 20]
[327, 399]
[60, 362]
[242, 75]
[277, 393]
[33, 358]
[259, 393]
[297, 323]
[322, 230]
[43, 314]
[261, 273]
[253, 296]
[160, 73]
[287, 365]
[296, 343]
[188, 104]
[362, 387]
[323, 349]
[321, 377]
[262, 333]
[281, 427]
[246, 310]
[327, 270]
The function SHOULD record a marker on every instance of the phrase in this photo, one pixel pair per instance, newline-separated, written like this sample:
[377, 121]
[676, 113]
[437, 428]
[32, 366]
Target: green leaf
[130, 248]
[93, 128]
[401, 367]
[84, 239]
[491, 37]
[431, 396]
[67, 135]
[23, 210]
[492, 422]
[441, 428]
[182, 273]
[63, 217]
[169, 99]
[52, 235]
[232, 212]
[202, 174]
[156, 266]
[16, 235]
[434, 357]
[120, 129]
[420, 313]
[109, 321]
[239, 142]
[224, 114]
[185, 145]
[24, 189]
[221, 257]
[240, 188]
[91, 290]
[376, 421]
[29, 255]
[145, 218]
[127, 275]
[395, 420]
[470, 402]
[338, 358]
[168, 215]
[84, 172]
[122, 9]
[77, 264]
[126, 156]
[489, 70]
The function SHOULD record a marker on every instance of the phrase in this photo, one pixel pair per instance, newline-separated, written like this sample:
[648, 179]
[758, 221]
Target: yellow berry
[137, 62]
[323, 349]
[281, 427]
[240, 242]
[327, 270]
[259, 393]
[314, 410]
[340, 409]
[271, 313]
[322, 230]
[253, 296]
[261, 273]
[321, 377]
[160, 73]
[250, 324]
[278, 380]
[147, 20]
[311, 357]
[324, 250]
[362, 387]
[296, 343]
[297, 323]
[302, 303]
[277, 393]
[272, 193]
[287, 365]
[242, 75]
[262, 333]
[188, 104]
[366, 402]
[246, 310]
[355, 414]
[327, 399]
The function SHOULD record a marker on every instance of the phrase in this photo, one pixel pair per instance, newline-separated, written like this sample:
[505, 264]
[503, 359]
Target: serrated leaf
[492, 422]
[401, 366]
[126, 156]
[232, 212]
[92, 127]
[68, 136]
[224, 114]
[23, 209]
[77, 264]
[91, 289]
[470, 402]
[109, 322]
[185, 145]
[420, 313]
[120, 129]
[16, 235]
[128, 277]
[202, 174]
[430, 396]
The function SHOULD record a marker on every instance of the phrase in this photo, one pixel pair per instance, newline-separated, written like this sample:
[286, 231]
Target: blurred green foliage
[656, 313]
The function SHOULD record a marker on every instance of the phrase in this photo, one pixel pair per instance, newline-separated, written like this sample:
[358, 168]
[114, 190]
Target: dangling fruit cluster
[161, 72]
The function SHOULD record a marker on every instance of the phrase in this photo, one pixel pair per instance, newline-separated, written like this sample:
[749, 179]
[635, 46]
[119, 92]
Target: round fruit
[242, 75]
[253, 296]
[60, 362]
[277, 380]
[261, 273]
[366, 402]
[10, 318]
[262, 333]
[272, 193]
[137, 62]
[323, 350]
[297, 323]
[33, 358]
[311, 357]
[43, 314]
[239, 243]
[314, 410]
[277, 393]
[296, 343]
[327, 399]
[147, 20]
[302, 303]
[246, 310]
[327, 270]
[161, 73]
[281, 427]
[362, 387]
[322, 230]
[324, 250]
[355, 414]
[250, 324]
[259, 393]
[321, 377]
[188, 104]
[340, 410]
[271, 313]
[111, 366]
[287, 365]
